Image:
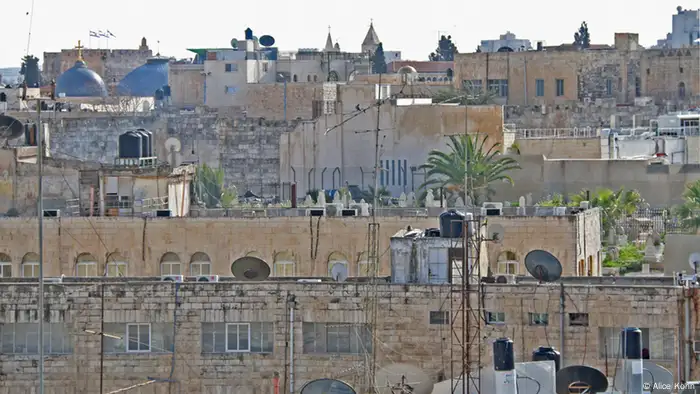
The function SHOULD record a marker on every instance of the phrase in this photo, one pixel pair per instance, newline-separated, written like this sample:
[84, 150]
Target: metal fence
[648, 220]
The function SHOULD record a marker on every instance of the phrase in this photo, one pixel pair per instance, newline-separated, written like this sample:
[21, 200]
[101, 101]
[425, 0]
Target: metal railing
[584, 132]
[76, 207]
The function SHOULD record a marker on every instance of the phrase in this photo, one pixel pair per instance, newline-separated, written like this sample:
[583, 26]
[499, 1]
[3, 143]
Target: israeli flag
[94, 34]
[110, 34]
[102, 34]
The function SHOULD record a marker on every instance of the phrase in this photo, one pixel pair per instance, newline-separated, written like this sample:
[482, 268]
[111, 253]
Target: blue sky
[411, 27]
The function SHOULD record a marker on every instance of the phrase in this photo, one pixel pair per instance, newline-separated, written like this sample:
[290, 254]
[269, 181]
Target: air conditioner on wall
[492, 209]
[207, 278]
[172, 278]
[505, 278]
[316, 212]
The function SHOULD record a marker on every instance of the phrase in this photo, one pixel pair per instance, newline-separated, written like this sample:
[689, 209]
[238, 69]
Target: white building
[506, 43]
[686, 30]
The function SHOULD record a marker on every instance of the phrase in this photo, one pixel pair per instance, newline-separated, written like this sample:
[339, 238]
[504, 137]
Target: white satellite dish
[496, 232]
[694, 261]
[403, 378]
[172, 150]
[339, 272]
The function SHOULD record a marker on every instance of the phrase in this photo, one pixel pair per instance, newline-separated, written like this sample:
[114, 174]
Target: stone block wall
[403, 331]
[307, 244]
[561, 148]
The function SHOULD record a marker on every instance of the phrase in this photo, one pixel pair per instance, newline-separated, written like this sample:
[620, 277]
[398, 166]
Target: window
[116, 268]
[86, 269]
[495, 318]
[439, 317]
[315, 78]
[231, 67]
[437, 265]
[308, 78]
[265, 67]
[560, 87]
[609, 87]
[499, 87]
[284, 268]
[225, 338]
[200, 264]
[659, 343]
[539, 87]
[138, 337]
[23, 338]
[539, 319]
[30, 270]
[294, 78]
[638, 86]
[578, 319]
[337, 338]
[170, 264]
[230, 90]
[5, 270]
[508, 263]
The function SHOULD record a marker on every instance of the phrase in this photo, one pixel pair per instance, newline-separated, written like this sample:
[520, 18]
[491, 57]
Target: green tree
[445, 51]
[30, 71]
[382, 193]
[687, 212]
[582, 39]
[485, 165]
[210, 188]
[379, 61]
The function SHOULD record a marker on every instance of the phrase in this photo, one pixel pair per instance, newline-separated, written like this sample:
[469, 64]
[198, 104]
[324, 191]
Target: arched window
[116, 265]
[86, 265]
[5, 266]
[315, 78]
[508, 263]
[30, 265]
[681, 90]
[200, 264]
[308, 78]
[365, 267]
[294, 78]
[170, 264]
[283, 264]
[590, 265]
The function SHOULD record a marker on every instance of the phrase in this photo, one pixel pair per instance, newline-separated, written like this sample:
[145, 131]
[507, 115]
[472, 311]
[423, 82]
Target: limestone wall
[411, 327]
[307, 244]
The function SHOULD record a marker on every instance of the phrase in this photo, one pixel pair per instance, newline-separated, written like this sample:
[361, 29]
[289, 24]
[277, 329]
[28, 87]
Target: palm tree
[484, 166]
[614, 205]
[688, 211]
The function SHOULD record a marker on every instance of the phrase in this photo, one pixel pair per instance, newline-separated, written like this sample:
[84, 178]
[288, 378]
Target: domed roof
[146, 79]
[407, 70]
[80, 81]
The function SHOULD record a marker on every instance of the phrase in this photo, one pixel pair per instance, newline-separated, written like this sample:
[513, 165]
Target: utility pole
[40, 218]
[102, 337]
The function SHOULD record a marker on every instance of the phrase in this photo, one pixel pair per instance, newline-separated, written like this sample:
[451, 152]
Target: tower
[329, 42]
[371, 41]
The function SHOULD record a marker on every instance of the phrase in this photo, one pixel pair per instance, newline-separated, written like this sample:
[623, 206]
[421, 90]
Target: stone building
[557, 78]
[174, 335]
[110, 64]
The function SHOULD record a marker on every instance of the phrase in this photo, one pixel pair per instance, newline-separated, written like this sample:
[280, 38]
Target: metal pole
[40, 212]
[562, 319]
[290, 303]
[285, 98]
[688, 338]
[102, 338]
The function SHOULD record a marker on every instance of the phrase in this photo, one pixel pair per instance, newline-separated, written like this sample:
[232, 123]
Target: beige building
[558, 77]
[174, 335]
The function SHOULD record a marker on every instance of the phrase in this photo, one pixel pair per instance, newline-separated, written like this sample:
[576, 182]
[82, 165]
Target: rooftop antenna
[31, 22]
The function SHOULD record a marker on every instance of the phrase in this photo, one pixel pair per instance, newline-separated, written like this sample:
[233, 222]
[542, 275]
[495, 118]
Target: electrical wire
[539, 386]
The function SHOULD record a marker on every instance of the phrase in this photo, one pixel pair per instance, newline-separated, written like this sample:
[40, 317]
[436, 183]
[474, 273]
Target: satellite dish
[327, 386]
[250, 268]
[339, 272]
[267, 41]
[543, 266]
[495, 233]
[653, 373]
[581, 377]
[234, 43]
[694, 261]
[10, 128]
[403, 378]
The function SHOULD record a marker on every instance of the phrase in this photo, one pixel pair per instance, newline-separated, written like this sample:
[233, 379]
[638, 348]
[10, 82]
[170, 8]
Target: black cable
[539, 386]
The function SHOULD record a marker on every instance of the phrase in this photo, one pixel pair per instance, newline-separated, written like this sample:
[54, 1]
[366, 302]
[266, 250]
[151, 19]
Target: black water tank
[130, 146]
[631, 339]
[149, 142]
[159, 94]
[145, 140]
[503, 355]
[545, 353]
[451, 223]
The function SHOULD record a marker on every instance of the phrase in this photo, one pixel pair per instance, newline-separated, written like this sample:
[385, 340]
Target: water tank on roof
[503, 355]
[146, 143]
[451, 223]
[631, 338]
[130, 145]
[159, 94]
[545, 353]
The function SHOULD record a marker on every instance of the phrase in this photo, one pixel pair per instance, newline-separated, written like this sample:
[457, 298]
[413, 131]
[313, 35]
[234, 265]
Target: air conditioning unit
[492, 209]
[505, 278]
[52, 213]
[309, 280]
[163, 213]
[172, 278]
[316, 212]
[53, 280]
[208, 278]
[696, 347]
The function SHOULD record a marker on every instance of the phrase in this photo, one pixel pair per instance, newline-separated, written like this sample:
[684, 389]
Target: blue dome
[145, 80]
[80, 81]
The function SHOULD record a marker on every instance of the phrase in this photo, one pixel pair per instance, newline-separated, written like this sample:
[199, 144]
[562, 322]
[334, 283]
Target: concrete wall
[586, 75]
[561, 148]
[307, 245]
[403, 332]
[187, 84]
[408, 134]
